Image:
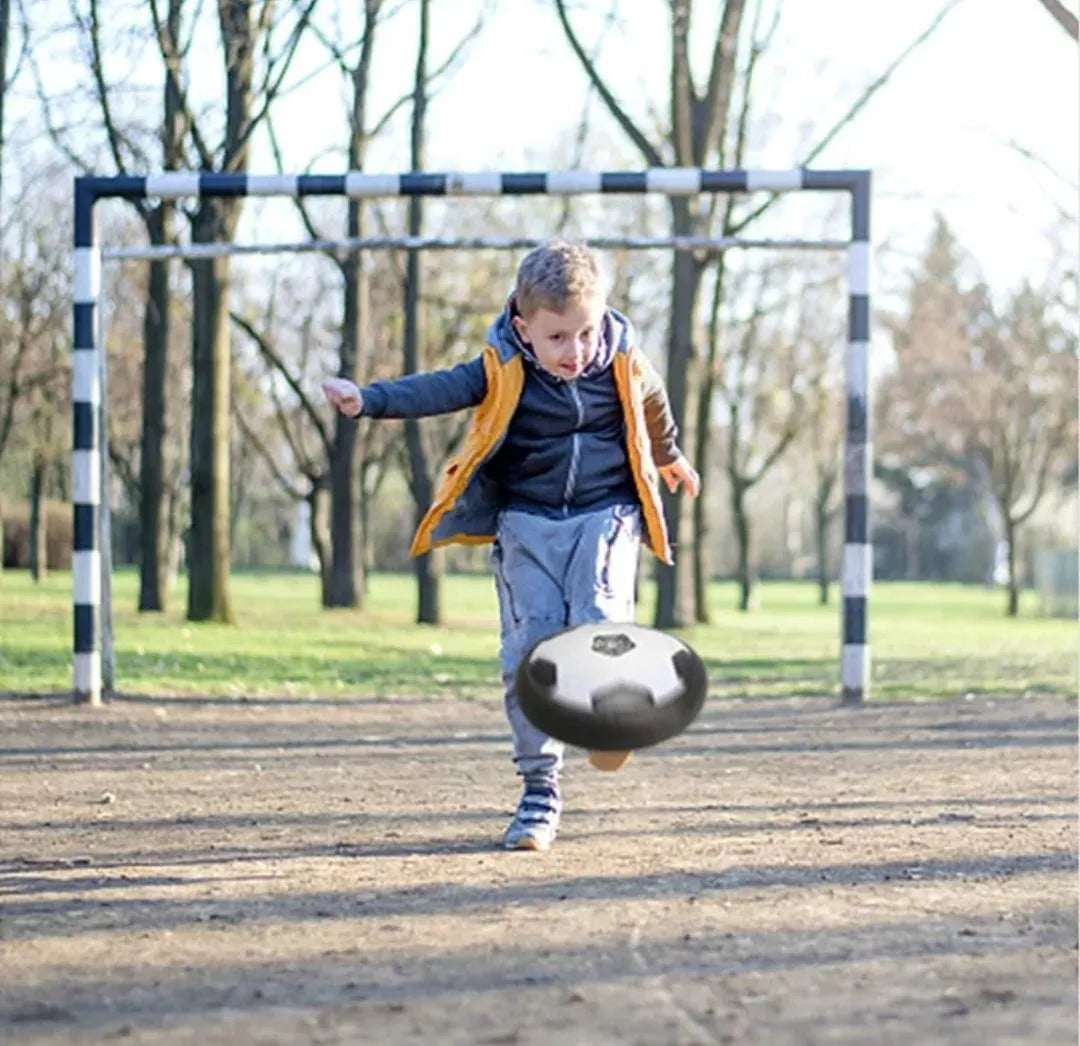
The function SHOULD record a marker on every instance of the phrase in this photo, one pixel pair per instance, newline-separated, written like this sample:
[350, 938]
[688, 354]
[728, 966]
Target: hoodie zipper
[575, 447]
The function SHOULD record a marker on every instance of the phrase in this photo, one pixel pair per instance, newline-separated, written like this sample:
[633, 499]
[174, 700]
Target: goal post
[88, 401]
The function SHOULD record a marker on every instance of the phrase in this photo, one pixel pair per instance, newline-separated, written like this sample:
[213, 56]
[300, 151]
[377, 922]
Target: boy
[560, 471]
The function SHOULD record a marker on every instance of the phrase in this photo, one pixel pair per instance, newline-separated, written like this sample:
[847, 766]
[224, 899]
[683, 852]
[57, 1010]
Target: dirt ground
[178, 872]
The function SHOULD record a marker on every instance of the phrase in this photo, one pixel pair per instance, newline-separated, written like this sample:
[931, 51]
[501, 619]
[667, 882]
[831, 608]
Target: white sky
[937, 137]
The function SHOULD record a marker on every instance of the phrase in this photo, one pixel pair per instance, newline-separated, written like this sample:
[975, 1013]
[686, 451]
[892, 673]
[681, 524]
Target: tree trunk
[741, 521]
[821, 535]
[208, 544]
[345, 570]
[153, 531]
[700, 517]
[174, 535]
[345, 584]
[1013, 606]
[39, 528]
[702, 446]
[367, 545]
[426, 567]
[674, 585]
[912, 545]
[701, 568]
[216, 220]
[154, 537]
[319, 501]
[428, 574]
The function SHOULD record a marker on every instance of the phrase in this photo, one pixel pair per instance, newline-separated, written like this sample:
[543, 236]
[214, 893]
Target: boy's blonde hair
[556, 275]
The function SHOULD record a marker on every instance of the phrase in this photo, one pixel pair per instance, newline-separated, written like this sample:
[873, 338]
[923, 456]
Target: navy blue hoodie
[564, 451]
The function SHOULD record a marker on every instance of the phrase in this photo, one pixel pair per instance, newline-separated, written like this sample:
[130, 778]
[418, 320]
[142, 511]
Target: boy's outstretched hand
[344, 395]
[681, 473]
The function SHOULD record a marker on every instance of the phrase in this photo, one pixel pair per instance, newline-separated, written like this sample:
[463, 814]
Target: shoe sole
[525, 843]
[609, 762]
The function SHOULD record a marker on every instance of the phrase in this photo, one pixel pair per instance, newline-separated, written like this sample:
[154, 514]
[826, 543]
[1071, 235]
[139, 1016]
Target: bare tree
[983, 395]
[127, 149]
[763, 388]
[1017, 405]
[824, 425]
[154, 500]
[712, 370]
[346, 582]
[697, 133]
[820, 329]
[349, 459]
[33, 308]
[289, 426]
[7, 78]
[245, 32]
[421, 481]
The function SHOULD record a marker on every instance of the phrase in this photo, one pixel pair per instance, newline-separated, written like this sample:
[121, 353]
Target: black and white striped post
[858, 568]
[667, 181]
[86, 452]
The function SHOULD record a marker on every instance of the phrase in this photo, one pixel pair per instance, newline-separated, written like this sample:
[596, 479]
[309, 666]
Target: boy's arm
[663, 432]
[424, 394]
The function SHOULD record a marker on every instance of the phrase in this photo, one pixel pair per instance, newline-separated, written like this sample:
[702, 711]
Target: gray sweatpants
[549, 574]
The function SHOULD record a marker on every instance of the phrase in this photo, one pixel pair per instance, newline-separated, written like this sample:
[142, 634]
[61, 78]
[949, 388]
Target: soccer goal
[90, 564]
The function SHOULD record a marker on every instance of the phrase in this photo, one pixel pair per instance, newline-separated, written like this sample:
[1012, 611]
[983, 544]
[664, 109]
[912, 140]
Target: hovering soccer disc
[610, 687]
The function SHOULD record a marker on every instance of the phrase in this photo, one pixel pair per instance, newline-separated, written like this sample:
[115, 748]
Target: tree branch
[714, 106]
[303, 461]
[170, 55]
[268, 353]
[264, 452]
[645, 147]
[789, 433]
[98, 73]
[681, 86]
[1063, 16]
[856, 107]
[54, 131]
[272, 85]
[1053, 442]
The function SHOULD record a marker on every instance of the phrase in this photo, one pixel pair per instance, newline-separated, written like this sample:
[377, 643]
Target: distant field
[928, 641]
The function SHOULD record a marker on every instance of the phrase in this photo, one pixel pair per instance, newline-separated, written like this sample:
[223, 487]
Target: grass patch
[928, 641]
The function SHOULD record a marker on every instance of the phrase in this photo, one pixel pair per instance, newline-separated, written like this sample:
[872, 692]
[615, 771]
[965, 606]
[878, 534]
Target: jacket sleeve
[424, 394]
[659, 423]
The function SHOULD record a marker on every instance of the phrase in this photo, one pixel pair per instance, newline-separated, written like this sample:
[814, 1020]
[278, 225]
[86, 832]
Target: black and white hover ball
[611, 687]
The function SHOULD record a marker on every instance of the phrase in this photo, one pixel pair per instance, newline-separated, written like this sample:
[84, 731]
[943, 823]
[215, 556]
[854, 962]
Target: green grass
[928, 641]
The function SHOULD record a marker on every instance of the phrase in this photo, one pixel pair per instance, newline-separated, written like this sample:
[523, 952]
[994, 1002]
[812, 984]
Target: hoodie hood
[616, 333]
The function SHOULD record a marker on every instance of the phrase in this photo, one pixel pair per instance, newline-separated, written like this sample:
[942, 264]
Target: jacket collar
[616, 336]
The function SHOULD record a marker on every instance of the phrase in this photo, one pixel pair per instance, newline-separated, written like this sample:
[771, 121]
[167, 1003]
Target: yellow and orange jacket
[466, 504]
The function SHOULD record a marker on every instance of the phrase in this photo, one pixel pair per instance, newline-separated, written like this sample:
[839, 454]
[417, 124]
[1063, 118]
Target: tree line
[214, 366]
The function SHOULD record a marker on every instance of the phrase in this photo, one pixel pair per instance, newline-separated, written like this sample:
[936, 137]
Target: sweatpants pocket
[507, 605]
[621, 539]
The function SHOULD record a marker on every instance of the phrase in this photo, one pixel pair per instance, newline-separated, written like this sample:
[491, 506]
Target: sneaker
[536, 820]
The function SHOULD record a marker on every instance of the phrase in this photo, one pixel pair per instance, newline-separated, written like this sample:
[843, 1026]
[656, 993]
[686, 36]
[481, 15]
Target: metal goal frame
[88, 375]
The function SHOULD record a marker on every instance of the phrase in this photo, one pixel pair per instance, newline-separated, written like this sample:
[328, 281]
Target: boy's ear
[521, 328]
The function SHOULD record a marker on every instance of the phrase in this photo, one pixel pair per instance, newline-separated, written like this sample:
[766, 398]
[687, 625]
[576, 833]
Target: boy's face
[564, 343]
